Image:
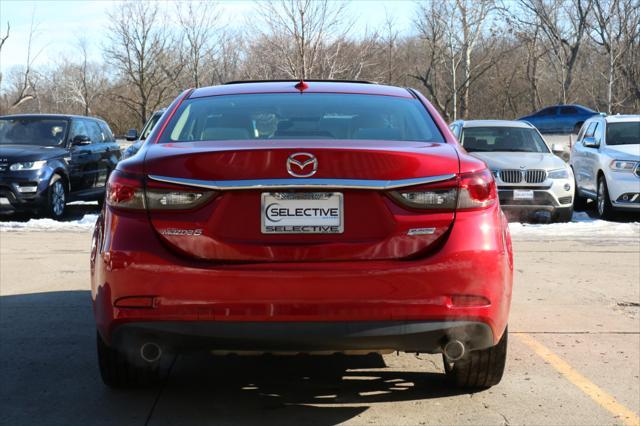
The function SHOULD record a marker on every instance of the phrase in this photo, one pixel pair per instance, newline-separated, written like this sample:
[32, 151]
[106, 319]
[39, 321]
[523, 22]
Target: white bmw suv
[606, 164]
[533, 182]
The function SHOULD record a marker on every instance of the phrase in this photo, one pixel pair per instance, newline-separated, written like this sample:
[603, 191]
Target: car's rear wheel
[603, 203]
[118, 371]
[479, 369]
[56, 198]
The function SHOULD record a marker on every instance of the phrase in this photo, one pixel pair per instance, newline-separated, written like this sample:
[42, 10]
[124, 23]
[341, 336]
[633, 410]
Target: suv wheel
[479, 369]
[56, 198]
[603, 203]
[117, 370]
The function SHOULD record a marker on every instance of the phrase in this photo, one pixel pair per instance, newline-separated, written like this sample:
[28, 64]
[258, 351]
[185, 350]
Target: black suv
[48, 160]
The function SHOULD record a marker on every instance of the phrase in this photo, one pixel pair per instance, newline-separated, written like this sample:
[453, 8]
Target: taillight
[477, 190]
[433, 199]
[469, 191]
[128, 192]
[125, 191]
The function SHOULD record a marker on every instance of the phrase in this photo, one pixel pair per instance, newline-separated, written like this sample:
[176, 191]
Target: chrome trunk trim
[228, 185]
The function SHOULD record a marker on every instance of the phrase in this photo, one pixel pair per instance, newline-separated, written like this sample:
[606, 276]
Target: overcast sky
[61, 23]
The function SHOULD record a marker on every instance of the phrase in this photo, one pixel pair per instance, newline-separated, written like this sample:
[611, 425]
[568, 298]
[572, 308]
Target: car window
[598, 133]
[95, 134]
[627, 133]
[547, 111]
[502, 139]
[106, 132]
[568, 110]
[582, 131]
[591, 129]
[43, 131]
[151, 123]
[308, 116]
[78, 128]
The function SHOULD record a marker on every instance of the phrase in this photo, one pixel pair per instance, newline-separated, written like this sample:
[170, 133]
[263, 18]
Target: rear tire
[479, 369]
[117, 371]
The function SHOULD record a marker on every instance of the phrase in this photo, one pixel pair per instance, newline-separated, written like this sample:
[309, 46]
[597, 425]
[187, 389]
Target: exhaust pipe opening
[150, 352]
[454, 350]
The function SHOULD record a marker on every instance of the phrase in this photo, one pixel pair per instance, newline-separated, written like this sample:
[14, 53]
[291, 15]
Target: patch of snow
[83, 224]
[581, 227]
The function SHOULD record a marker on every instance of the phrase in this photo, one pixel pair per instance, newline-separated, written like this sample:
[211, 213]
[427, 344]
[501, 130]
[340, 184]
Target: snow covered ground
[582, 227]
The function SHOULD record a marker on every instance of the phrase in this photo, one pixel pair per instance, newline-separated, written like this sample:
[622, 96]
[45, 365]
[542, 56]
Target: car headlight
[623, 166]
[559, 174]
[28, 165]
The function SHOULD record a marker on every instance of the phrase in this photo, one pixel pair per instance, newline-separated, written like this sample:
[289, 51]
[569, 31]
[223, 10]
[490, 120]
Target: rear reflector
[135, 302]
[467, 300]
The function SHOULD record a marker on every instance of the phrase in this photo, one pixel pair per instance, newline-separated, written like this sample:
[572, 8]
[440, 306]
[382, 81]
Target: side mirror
[557, 148]
[590, 142]
[80, 140]
[132, 135]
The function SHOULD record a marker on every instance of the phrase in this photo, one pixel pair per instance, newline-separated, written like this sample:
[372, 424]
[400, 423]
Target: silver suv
[606, 164]
[533, 182]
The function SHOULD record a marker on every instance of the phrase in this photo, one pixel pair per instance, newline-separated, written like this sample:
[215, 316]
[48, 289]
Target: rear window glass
[502, 139]
[623, 133]
[301, 116]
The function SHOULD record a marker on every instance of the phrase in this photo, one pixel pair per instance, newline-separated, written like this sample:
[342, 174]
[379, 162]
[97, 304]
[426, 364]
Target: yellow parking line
[585, 385]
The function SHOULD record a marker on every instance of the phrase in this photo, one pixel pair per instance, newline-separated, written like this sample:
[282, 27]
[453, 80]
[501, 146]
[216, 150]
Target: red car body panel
[373, 271]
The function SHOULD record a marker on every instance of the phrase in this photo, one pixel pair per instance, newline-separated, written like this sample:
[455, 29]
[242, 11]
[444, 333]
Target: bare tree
[298, 31]
[199, 22]
[616, 26]
[3, 39]
[24, 81]
[139, 49]
[564, 24]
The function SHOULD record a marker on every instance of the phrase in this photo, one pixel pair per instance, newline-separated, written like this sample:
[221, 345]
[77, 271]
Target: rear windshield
[33, 131]
[623, 133]
[503, 139]
[301, 116]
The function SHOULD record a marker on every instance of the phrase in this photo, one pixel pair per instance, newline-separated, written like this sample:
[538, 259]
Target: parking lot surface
[574, 349]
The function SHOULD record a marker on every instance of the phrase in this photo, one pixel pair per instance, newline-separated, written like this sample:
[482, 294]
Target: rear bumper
[128, 260]
[295, 337]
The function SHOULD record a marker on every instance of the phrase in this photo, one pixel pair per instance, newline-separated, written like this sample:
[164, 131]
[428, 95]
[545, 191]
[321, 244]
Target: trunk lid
[230, 227]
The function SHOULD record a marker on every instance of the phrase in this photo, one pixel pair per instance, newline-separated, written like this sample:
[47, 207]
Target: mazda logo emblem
[302, 164]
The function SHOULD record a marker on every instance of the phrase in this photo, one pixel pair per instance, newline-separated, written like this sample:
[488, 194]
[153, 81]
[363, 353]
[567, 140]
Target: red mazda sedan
[301, 217]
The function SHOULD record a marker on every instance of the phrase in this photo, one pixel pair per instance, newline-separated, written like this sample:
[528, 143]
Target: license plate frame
[322, 202]
[523, 194]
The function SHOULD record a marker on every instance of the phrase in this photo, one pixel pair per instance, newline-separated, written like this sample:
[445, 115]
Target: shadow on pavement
[49, 374]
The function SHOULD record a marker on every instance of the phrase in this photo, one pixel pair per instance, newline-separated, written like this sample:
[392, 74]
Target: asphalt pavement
[574, 354]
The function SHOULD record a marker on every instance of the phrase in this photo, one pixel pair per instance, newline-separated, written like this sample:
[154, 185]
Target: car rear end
[350, 223]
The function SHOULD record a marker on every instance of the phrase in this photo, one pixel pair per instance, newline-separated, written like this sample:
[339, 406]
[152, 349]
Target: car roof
[288, 86]
[50, 116]
[619, 118]
[496, 123]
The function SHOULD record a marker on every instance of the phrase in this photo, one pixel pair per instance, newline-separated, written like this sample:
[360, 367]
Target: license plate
[302, 213]
[4, 201]
[520, 194]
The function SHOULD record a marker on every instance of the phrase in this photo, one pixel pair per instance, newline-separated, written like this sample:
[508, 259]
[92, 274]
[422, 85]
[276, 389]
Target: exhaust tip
[454, 350]
[150, 352]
